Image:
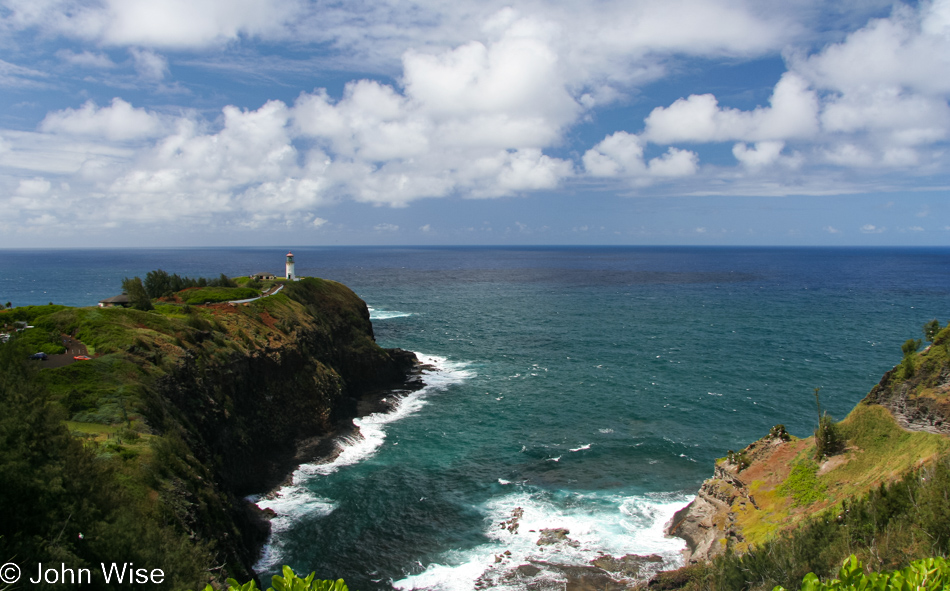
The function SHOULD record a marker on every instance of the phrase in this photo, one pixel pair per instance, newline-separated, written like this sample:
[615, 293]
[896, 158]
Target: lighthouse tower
[291, 276]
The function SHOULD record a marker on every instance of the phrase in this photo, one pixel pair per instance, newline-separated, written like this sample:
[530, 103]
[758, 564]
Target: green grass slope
[883, 498]
[150, 445]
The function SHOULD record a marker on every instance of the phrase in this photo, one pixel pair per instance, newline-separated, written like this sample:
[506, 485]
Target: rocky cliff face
[918, 397]
[237, 419]
[709, 524]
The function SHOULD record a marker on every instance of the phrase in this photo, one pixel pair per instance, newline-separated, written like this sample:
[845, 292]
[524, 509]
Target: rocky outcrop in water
[708, 523]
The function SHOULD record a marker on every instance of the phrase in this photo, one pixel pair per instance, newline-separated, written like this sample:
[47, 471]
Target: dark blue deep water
[590, 387]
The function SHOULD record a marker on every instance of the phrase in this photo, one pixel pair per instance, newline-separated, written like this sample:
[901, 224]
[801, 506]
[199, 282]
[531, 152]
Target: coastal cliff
[192, 407]
[771, 496]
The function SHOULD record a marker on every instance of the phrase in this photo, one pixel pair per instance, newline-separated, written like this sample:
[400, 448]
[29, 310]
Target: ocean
[584, 388]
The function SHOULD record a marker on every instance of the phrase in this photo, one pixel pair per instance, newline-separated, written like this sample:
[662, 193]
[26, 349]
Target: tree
[828, 439]
[931, 329]
[222, 281]
[157, 284]
[910, 346]
[9, 305]
[138, 297]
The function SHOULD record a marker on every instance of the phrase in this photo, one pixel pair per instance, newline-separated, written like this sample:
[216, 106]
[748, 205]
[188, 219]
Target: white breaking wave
[289, 503]
[581, 448]
[295, 500]
[375, 314]
[597, 524]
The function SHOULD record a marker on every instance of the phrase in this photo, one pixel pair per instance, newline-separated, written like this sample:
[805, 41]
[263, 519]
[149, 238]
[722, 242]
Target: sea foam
[598, 524]
[375, 314]
[295, 500]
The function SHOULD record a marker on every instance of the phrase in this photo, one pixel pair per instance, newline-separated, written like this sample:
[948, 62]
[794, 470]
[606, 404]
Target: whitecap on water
[375, 314]
[295, 500]
[290, 503]
[597, 524]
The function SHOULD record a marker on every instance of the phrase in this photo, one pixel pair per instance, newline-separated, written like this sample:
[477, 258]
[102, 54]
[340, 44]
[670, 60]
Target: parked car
[41, 356]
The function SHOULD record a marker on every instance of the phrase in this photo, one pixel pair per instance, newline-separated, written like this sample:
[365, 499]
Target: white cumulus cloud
[118, 121]
[793, 113]
[621, 154]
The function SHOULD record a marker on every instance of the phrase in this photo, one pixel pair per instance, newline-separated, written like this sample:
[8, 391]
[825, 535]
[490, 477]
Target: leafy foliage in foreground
[922, 575]
[289, 581]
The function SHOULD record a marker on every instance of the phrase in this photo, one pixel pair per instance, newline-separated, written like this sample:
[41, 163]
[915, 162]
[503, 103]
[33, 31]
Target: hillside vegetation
[142, 454]
[777, 510]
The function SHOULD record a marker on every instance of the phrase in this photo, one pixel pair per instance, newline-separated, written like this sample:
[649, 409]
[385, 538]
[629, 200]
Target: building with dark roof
[120, 301]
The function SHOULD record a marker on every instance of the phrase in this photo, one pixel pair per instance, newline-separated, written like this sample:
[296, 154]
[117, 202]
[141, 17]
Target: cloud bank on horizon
[262, 114]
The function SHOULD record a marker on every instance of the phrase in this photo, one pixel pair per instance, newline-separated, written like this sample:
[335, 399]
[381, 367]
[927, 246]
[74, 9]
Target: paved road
[73, 348]
[279, 287]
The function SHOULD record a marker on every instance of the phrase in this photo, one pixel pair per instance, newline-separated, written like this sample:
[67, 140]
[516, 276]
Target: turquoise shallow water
[590, 387]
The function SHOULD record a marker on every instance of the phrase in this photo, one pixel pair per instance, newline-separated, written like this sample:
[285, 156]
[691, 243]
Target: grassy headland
[142, 453]
[777, 510]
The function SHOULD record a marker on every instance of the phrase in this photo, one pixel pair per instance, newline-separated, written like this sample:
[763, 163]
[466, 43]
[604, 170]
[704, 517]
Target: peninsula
[143, 447]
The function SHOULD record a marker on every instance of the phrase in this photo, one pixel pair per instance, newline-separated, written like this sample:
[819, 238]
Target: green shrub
[37, 339]
[931, 329]
[740, 459]
[288, 581]
[828, 438]
[908, 367]
[910, 346]
[779, 432]
[922, 575]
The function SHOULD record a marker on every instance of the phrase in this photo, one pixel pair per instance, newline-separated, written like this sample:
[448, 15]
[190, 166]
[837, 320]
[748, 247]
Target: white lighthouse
[291, 276]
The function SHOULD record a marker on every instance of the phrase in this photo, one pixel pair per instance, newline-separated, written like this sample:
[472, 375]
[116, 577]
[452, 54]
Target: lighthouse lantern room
[291, 276]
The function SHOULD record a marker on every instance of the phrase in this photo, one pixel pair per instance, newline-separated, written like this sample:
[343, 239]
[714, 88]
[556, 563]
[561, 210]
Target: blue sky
[205, 122]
